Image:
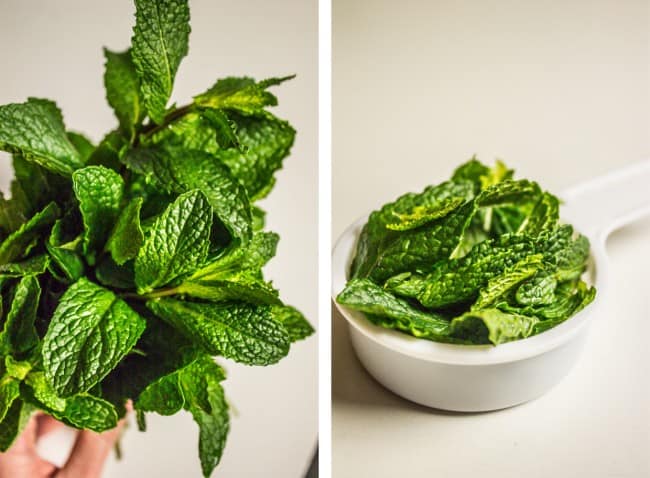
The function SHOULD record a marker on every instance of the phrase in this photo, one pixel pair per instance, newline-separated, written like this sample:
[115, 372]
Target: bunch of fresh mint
[481, 258]
[124, 267]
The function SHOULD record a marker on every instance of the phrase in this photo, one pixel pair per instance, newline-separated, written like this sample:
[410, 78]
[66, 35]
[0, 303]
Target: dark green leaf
[35, 130]
[87, 316]
[159, 43]
[15, 246]
[19, 335]
[180, 171]
[243, 332]
[127, 237]
[177, 243]
[123, 90]
[99, 191]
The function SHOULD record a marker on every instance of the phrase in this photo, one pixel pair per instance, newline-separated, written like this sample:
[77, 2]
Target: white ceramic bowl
[480, 378]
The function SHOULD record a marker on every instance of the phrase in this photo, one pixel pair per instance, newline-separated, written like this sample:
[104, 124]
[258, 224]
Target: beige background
[53, 50]
[561, 91]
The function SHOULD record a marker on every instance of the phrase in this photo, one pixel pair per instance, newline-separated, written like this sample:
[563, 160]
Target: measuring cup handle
[601, 205]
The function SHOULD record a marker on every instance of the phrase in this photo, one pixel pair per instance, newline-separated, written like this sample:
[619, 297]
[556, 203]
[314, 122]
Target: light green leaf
[241, 94]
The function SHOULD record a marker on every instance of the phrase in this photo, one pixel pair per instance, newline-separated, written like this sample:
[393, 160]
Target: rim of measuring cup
[455, 353]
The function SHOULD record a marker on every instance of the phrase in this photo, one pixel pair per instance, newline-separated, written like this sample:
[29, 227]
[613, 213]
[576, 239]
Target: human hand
[86, 458]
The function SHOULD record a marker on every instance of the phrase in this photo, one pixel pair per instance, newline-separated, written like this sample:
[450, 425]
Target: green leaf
[35, 130]
[539, 290]
[64, 254]
[265, 142]
[34, 187]
[90, 332]
[9, 392]
[159, 43]
[19, 335]
[206, 402]
[123, 90]
[180, 171]
[110, 274]
[544, 216]
[421, 215]
[224, 128]
[499, 285]
[492, 325]
[177, 243]
[36, 265]
[109, 151]
[419, 247]
[14, 422]
[296, 324]
[243, 332]
[127, 237]
[82, 411]
[241, 94]
[367, 297]
[245, 286]
[255, 255]
[82, 144]
[99, 191]
[15, 246]
[162, 396]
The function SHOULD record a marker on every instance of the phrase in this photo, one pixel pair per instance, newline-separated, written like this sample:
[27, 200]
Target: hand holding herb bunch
[125, 266]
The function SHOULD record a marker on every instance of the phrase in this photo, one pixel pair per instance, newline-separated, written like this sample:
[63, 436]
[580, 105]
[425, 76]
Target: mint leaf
[34, 187]
[159, 43]
[87, 316]
[36, 265]
[364, 295]
[241, 94]
[242, 332]
[9, 392]
[70, 266]
[198, 170]
[83, 411]
[127, 237]
[15, 246]
[177, 243]
[99, 191]
[492, 325]
[14, 422]
[19, 335]
[245, 286]
[265, 141]
[123, 90]
[206, 402]
[294, 322]
[35, 130]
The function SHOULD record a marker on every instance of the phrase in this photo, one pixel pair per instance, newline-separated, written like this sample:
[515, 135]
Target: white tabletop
[561, 92]
[54, 50]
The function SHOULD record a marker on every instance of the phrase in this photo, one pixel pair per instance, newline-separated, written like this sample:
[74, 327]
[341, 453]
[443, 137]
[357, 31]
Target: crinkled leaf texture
[90, 332]
[482, 257]
[177, 243]
[159, 43]
[243, 332]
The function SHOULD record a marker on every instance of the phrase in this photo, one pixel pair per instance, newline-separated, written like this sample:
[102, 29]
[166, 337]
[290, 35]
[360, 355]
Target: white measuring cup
[484, 377]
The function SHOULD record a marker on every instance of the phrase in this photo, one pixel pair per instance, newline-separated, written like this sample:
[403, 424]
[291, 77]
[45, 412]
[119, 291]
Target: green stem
[152, 128]
[157, 294]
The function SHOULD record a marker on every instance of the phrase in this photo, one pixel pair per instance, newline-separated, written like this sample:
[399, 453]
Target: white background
[559, 90]
[53, 50]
